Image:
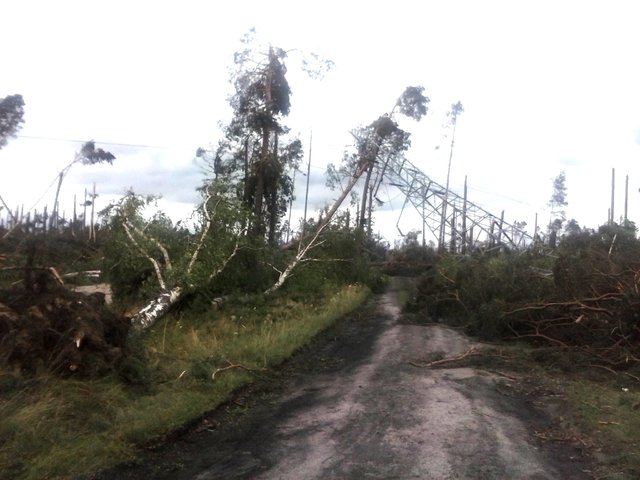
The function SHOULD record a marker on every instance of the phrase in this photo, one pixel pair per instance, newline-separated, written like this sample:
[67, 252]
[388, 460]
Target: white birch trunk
[156, 308]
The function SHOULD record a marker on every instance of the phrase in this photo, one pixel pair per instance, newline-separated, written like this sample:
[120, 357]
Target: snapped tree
[452, 115]
[88, 155]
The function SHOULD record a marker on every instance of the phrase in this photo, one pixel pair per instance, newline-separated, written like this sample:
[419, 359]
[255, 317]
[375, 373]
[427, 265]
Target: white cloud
[546, 86]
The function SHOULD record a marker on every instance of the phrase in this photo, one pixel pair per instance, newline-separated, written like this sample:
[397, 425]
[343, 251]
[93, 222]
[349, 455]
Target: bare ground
[350, 406]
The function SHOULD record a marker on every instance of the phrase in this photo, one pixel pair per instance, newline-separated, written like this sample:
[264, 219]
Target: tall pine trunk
[273, 192]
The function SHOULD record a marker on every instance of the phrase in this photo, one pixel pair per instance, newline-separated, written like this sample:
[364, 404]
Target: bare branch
[234, 365]
[205, 232]
[471, 351]
[157, 243]
[156, 266]
[226, 262]
[272, 266]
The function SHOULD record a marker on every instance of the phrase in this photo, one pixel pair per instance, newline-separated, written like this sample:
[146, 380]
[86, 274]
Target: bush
[584, 296]
[469, 289]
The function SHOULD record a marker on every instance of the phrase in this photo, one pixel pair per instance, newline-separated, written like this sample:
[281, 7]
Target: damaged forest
[114, 333]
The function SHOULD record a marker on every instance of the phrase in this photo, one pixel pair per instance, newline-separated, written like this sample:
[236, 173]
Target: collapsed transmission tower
[457, 224]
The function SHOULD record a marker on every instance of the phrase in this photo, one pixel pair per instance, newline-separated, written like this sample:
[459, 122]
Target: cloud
[148, 174]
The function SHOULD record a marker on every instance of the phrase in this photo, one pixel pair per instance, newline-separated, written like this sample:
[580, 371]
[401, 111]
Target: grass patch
[61, 428]
[610, 415]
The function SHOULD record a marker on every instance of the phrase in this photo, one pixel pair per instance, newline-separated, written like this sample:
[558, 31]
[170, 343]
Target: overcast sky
[546, 86]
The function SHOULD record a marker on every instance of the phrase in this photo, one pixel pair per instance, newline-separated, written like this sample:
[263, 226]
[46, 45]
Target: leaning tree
[376, 145]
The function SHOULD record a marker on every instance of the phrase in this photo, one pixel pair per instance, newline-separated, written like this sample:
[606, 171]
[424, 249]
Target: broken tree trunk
[156, 308]
[302, 251]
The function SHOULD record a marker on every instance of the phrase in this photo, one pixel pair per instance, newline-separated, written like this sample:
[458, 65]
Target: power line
[115, 144]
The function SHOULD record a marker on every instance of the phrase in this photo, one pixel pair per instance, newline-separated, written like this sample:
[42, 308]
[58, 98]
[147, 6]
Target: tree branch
[205, 232]
[156, 266]
[163, 250]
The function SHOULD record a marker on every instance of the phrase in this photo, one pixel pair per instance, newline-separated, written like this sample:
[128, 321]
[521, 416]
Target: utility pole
[456, 109]
[289, 230]
[424, 221]
[613, 196]
[464, 217]
[626, 199]
[306, 193]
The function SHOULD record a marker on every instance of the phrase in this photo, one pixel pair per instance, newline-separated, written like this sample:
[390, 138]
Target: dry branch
[205, 232]
[470, 352]
[235, 365]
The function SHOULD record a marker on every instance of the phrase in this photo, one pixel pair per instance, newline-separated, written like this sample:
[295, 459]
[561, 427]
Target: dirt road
[352, 407]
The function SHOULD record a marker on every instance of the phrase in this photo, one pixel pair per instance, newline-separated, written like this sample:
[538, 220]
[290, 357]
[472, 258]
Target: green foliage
[90, 155]
[255, 160]
[584, 299]
[340, 259]
[588, 262]
[473, 290]
[11, 117]
[248, 273]
[58, 249]
[125, 263]
[410, 258]
[413, 103]
[557, 203]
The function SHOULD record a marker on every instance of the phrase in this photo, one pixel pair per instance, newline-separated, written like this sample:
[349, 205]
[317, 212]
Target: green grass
[609, 414]
[52, 428]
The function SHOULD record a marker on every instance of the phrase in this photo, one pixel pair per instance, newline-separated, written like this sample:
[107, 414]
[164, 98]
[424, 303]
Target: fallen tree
[174, 282]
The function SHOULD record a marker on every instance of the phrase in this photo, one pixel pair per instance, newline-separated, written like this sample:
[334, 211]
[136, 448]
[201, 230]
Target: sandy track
[365, 413]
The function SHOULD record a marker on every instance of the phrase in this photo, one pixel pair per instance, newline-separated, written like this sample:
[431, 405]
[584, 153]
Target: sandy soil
[352, 407]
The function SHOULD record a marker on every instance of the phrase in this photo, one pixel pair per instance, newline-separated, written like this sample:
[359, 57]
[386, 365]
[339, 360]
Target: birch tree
[214, 244]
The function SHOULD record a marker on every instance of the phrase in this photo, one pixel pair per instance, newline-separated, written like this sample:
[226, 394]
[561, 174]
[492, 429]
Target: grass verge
[609, 415]
[52, 428]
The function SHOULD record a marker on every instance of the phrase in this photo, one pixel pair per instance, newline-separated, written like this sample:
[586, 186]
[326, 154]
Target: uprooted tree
[583, 300]
[174, 269]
